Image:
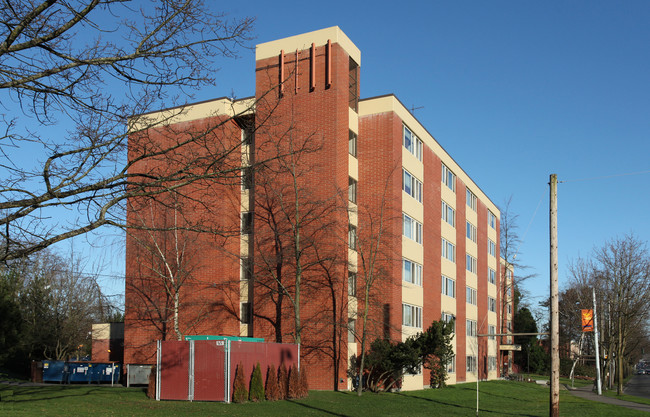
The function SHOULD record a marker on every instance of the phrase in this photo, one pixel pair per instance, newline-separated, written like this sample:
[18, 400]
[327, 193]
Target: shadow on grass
[312, 407]
[472, 409]
[39, 393]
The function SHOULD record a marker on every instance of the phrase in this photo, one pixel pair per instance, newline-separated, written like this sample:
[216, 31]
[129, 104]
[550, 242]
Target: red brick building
[317, 192]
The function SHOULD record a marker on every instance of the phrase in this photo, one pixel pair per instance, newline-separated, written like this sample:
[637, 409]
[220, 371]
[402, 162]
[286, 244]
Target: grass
[497, 398]
[625, 397]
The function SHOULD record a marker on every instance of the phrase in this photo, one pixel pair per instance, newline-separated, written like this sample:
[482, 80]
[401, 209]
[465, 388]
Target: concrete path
[588, 394]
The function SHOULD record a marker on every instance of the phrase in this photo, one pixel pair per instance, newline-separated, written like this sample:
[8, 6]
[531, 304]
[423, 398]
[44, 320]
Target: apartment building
[330, 190]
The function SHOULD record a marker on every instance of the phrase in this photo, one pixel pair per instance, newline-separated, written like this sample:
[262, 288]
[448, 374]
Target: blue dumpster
[104, 372]
[53, 371]
[79, 371]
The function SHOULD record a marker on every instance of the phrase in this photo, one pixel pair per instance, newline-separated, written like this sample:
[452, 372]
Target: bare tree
[72, 72]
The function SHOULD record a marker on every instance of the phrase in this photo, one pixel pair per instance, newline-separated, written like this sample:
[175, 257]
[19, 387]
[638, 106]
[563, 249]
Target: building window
[448, 287]
[352, 237]
[352, 190]
[411, 185]
[247, 268]
[352, 283]
[470, 231]
[451, 365]
[509, 308]
[448, 214]
[411, 316]
[352, 144]
[492, 331]
[247, 178]
[470, 296]
[448, 250]
[354, 85]
[352, 324]
[247, 223]
[492, 247]
[492, 220]
[248, 134]
[471, 363]
[246, 313]
[508, 275]
[492, 276]
[412, 143]
[448, 178]
[412, 272]
[470, 328]
[470, 263]
[492, 304]
[412, 229]
[492, 363]
[449, 318]
[471, 200]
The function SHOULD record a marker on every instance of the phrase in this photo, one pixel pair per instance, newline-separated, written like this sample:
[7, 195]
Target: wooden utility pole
[555, 333]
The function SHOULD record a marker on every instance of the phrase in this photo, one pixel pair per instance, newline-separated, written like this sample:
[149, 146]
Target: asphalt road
[638, 386]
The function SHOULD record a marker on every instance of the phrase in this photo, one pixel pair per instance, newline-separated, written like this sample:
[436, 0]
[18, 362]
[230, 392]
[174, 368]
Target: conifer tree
[240, 393]
[272, 391]
[256, 392]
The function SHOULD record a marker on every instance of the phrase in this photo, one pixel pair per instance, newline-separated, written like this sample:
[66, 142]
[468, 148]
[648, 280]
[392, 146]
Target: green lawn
[497, 398]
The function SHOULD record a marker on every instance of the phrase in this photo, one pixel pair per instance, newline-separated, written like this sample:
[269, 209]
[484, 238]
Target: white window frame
[492, 220]
[412, 228]
[414, 144]
[492, 363]
[470, 263]
[492, 247]
[471, 364]
[448, 177]
[448, 317]
[471, 295]
[492, 331]
[411, 185]
[448, 286]
[448, 250]
[492, 304]
[470, 328]
[470, 231]
[471, 200]
[411, 316]
[448, 214]
[451, 365]
[492, 276]
[411, 272]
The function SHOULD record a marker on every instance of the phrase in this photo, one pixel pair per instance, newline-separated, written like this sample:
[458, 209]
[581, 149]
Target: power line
[606, 177]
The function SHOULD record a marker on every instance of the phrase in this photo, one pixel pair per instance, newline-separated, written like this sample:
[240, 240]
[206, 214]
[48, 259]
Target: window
[492, 331]
[352, 237]
[247, 268]
[449, 318]
[352, 144]
[508, 275]
[352, 324]
[471, 364]
[492, 363]
[412, 272]
[448, 250]
[247, 223]
[492, 276]
[470, 327]
[470, 231]
[509, 308]
[451, 365]
[352, 283]
[247, 178]
[246, 313]
[412, 143]
[448, 178]
[354, 85]
[411, 185]
[411, 316]
[470, 263]
[248, 134]
[352, 190]
[470, 296]
[492, 304]
[492, 247]
[471, 200]
[412, 229]
[492, 220]
[448, 214]
[448, 287]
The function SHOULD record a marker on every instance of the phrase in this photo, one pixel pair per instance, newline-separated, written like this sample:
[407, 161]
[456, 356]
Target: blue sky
[514, 91]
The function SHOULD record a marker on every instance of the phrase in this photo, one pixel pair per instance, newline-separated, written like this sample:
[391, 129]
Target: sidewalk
[587, 393]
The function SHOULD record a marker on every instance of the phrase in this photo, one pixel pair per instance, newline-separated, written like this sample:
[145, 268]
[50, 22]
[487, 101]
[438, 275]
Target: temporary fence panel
[174, 370]
[137, 374]
[209, 372]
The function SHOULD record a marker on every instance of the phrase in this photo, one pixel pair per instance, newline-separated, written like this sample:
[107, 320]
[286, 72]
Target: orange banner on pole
[588, 320]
